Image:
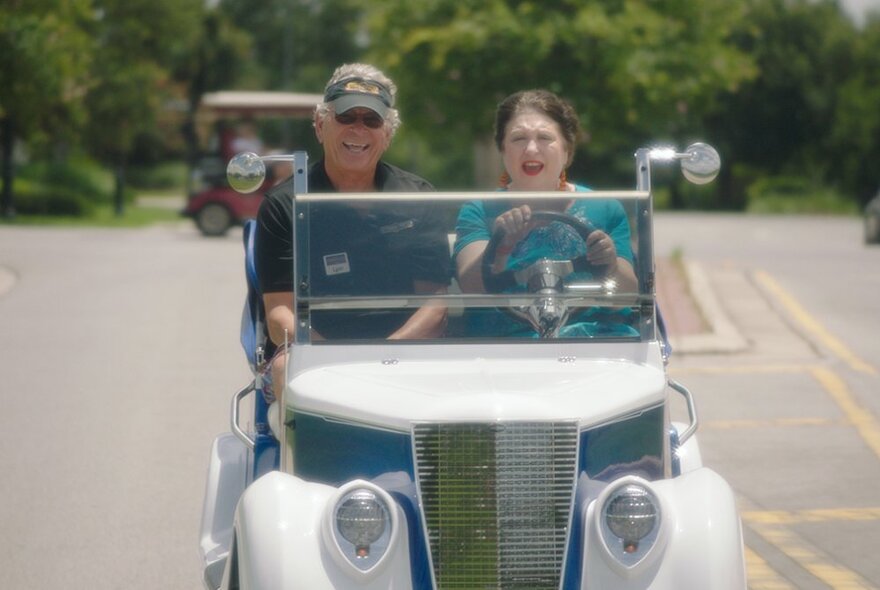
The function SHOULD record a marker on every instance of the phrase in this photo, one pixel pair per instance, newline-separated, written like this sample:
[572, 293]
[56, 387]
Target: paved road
[788, 392]
[118, 355]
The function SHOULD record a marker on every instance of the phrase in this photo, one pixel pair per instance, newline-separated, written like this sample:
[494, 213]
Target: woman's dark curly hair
[545, 102]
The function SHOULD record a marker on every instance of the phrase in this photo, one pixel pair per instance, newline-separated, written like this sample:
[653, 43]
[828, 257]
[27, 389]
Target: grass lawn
[135, 215]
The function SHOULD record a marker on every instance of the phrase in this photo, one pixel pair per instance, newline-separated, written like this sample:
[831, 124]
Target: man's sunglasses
[370, 120]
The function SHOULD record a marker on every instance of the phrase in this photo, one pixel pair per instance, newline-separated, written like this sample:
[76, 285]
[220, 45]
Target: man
[354, 250]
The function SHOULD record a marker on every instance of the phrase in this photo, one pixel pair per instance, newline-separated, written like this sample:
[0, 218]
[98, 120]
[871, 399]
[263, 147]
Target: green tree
[297, 43]
[634, 69]
[780, 122]
[136, 44]
[854, 141]
[220, 51]
[44, 56]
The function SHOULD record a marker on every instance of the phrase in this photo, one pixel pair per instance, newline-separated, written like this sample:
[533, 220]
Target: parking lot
[119, 354]
[788, 405]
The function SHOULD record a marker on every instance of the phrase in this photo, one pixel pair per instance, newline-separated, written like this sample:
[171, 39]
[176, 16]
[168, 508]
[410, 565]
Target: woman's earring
[504, 180]
[563, 181]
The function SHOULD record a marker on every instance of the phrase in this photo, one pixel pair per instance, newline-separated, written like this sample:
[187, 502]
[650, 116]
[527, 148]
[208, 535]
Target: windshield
[429, 266]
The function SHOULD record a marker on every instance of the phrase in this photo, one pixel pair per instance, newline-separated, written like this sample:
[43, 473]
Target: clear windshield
[428, 266]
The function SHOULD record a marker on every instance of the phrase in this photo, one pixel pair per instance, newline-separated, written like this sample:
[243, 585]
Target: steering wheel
[506, 279]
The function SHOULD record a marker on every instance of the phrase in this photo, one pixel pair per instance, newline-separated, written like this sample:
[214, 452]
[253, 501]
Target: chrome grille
[496, 499]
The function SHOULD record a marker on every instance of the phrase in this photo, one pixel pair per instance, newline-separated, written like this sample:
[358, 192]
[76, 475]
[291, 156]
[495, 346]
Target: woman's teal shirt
[555, 240]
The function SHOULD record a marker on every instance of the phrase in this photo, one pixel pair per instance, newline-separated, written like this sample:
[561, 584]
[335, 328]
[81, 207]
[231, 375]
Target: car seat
[254, 341]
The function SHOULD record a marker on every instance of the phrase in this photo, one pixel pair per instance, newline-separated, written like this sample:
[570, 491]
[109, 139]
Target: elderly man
[354, 250]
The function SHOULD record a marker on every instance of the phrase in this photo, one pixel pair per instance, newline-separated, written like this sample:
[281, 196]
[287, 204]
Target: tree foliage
[44, 56]
[784, 88]
[634, 69]
[136, 41]
[853, 143]
[297, 43]
[43, 63]
[781, 121]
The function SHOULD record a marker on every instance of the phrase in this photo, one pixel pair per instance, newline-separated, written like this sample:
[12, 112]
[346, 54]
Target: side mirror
[246, 172]
[700, 163]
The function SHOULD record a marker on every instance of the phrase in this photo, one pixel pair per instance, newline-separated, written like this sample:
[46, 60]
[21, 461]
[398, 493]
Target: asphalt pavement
[786, 417]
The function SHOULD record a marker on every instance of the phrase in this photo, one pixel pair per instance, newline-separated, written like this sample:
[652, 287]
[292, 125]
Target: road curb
[7, 280]
[723, 336]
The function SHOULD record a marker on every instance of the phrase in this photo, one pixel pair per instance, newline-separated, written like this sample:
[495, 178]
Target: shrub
[170, 175]
[36, 199]
[792, 194]
[76, 176]
[72, 187]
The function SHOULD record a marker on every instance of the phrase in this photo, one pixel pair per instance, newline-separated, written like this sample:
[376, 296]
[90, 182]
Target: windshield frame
[638, 206]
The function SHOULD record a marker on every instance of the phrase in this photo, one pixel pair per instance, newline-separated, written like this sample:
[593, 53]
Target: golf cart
[551, 459]
[211, 202]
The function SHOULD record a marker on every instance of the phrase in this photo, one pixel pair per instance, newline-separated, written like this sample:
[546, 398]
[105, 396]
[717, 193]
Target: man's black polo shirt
[378, 252]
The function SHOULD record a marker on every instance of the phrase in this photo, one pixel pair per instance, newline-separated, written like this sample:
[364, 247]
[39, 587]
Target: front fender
[699, 547]
[281, 544]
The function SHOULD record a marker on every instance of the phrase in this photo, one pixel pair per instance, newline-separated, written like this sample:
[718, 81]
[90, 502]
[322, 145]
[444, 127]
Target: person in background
[361, 249]
[246, 139]
[536, 132]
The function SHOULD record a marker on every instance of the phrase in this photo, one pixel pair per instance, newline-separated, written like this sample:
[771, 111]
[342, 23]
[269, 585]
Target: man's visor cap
[351, 93]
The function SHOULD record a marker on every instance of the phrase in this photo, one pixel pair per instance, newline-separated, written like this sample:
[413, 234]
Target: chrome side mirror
[700, 163]
[246, 172]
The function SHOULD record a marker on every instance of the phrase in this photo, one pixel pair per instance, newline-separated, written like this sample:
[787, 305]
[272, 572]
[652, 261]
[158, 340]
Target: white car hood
[396, 394]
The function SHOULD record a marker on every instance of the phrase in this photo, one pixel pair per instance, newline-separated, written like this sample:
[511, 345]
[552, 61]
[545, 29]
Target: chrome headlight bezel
[635, 496]
[380, 529]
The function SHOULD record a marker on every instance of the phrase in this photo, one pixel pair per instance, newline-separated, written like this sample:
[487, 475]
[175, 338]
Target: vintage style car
[545, 458]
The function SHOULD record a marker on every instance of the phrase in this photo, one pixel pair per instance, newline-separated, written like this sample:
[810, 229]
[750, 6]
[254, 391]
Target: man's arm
[429, 321]
[468, 267]
[279, 316]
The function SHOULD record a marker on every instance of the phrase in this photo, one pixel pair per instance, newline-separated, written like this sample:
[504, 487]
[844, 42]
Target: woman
[536, 132]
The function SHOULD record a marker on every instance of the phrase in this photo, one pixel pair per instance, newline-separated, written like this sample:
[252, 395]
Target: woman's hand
[515, 223]
[601, 250]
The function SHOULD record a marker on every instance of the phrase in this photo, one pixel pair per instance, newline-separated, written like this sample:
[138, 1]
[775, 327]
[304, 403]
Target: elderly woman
[536, 132]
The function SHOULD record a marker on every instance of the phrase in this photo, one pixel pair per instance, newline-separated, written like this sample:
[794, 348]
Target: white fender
[700, 549]
[280, 544]
[227, 476]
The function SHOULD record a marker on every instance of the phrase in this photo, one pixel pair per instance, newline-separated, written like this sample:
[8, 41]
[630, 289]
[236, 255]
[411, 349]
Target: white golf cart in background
[548, 461]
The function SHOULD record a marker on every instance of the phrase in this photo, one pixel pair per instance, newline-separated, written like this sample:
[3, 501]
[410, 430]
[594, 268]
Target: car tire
[872, 228]
[214, 219]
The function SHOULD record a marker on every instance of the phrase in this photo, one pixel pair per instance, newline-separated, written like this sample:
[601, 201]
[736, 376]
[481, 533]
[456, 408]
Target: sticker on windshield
[336, 264]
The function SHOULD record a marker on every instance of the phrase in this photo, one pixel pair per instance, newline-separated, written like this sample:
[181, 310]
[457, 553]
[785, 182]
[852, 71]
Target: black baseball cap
[355, 92]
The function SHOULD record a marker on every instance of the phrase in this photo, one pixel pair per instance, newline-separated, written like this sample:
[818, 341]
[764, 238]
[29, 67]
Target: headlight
[362, 523]
[361, 519]
[630, 521]
[631, 515]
